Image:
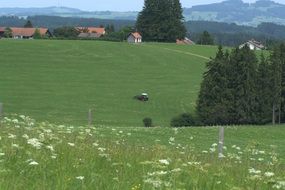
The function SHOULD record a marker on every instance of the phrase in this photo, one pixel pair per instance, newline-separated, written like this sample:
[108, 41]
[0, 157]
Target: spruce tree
[263, 91]
[243, 63]
[161, 20]
[212, 104]
[276, 83]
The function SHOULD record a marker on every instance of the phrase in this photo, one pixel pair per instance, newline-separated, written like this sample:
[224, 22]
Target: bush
[183, 120]
[147, 122]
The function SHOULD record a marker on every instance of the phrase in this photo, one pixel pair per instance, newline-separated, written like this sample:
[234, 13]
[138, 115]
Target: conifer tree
[243, 85]
[212, 105]
[264, 98]
[276, 83]
[161, 20]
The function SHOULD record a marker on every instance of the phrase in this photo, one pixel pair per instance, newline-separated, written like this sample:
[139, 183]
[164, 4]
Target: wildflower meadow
[37, 155]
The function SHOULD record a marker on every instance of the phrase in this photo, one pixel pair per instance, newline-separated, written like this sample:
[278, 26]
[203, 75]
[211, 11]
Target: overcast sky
[100, 5]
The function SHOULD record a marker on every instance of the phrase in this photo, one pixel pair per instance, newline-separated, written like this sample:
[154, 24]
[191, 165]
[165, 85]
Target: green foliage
[37, 34]
[183, 120]
[120, 35]
[205, 39]
[28, 24]
[66, 32]
[161, 20]
[245, 90]
[147, 122]
[110, 28]
[8, 33]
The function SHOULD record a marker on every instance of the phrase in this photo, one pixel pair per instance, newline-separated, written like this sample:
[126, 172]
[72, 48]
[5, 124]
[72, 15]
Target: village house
[90, 32]
[253, 45]
[134, 37]
[2, 31]
[185, 41]
[25, 33]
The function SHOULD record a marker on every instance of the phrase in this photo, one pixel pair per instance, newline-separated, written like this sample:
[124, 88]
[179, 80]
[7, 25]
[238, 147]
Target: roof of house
[92, 30]
[136, 35]
[254, 43]
[27, 31]
[186, 41]
[2, 29]
[89, 35]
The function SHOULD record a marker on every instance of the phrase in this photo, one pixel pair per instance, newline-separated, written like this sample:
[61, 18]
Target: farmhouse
[25, 33]
[2, 31]
[134, 38]
[253, 45]
[91, 32]
[185, 41]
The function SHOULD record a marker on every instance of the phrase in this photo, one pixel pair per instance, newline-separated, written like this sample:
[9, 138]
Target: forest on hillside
[223, 33]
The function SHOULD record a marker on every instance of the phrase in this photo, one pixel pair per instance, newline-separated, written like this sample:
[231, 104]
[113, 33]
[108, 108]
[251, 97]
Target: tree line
[240, 87]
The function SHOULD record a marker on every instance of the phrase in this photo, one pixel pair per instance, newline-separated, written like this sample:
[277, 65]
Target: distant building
[91, 32]
[2, 31]
[25, 33]
[185, 41]
[134, 37]
[253, 45]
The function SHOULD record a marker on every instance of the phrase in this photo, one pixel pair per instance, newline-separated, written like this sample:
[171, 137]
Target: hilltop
[236, 11]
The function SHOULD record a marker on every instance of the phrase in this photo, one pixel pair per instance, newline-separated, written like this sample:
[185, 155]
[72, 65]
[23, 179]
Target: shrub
[183, 120]
[147, 122]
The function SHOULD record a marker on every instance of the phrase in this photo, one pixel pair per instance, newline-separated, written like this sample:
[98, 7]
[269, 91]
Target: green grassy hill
[59, 81]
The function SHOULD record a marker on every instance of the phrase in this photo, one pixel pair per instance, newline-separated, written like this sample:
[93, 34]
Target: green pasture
[58, 81]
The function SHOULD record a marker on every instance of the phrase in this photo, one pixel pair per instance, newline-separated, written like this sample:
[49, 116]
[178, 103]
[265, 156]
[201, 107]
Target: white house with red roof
[134, 37]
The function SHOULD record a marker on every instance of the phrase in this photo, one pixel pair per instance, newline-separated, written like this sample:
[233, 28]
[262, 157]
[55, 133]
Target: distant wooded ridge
[223, 33]
[229, 11]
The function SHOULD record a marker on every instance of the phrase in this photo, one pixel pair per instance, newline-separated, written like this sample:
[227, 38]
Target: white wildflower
[33, 163]
[12, 136]
[165, 162]
[171, 139]
[269, 174]
[214, 145]
[253, 171]
[25, 136]
[80, 178]
[35, 143]
[71, 144]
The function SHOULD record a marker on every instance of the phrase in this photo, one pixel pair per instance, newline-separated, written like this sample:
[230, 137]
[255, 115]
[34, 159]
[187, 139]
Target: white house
[253, 45]
[134, 38]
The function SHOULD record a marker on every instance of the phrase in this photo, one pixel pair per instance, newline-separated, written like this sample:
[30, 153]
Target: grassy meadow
[45, 156]
[58, 81]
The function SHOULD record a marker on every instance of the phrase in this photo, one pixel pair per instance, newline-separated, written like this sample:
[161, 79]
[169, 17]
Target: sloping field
[59, 81]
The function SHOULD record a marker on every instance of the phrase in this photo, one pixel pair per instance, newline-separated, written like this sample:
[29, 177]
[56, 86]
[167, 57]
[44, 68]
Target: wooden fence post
[1, 111]
[221, 141]
[90, 117]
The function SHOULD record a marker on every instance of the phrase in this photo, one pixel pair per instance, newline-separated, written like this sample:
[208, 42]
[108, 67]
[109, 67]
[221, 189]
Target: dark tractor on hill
[143, 97]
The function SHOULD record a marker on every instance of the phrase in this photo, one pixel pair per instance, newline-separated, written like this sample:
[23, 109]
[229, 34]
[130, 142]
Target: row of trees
[241, 88]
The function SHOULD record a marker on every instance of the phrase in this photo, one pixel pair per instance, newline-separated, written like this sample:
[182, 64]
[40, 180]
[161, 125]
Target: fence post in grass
[90, 117]
[1, 111]
[221, 141]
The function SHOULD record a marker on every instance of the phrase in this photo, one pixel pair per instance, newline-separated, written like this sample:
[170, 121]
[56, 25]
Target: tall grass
[46, 156]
